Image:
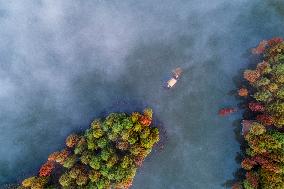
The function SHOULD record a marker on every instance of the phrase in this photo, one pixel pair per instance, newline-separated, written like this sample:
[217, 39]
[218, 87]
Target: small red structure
[226, 111]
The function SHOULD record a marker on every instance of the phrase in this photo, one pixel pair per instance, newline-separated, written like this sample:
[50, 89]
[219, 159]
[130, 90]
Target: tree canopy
[263, 133]
[107, 155]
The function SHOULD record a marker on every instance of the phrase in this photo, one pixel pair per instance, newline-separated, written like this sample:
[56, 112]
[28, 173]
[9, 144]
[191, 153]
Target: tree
[86, 157]
[65, 180]
[81, 146]
[265, 119]
[263, 67]
[72, 140]
[106, 155]
[276, 108]
[70, 161]
[46, 169]
[260, 48]
[28, 181]
[280, 94]
[272, 87]
[94, 175]
[95, 163]
[252, 180]
[59, 157]
[256, 107]
[262, 96]
[262, 82]
[83, 178]
[243, 92]
[274, 41]
[145, 121]
[263, 132]
[251, 75]
[148, 112]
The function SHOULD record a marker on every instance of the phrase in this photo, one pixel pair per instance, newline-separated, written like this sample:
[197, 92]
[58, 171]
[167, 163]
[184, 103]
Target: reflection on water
[63, 64]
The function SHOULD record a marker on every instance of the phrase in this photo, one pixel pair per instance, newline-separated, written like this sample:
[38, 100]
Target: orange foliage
[72, 140]
[46, 169]
[251, 75]
[53, 156]
[243, 92]
[145, 121]
[59, 157]
[248, 164]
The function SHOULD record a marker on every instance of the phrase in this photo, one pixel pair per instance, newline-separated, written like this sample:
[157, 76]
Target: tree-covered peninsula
[263, 123]
[105, 156]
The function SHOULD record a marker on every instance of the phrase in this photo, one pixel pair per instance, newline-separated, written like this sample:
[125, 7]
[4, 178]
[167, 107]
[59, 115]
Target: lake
[65, 63]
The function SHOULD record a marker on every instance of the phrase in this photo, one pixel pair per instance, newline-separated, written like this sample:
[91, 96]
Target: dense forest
[263, 120]
[106, 155]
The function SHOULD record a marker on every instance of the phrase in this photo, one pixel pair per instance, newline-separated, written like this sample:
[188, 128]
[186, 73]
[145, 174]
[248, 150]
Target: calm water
[63, 64]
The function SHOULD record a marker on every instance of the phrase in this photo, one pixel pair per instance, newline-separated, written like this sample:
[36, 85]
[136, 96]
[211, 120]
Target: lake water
[64, 63]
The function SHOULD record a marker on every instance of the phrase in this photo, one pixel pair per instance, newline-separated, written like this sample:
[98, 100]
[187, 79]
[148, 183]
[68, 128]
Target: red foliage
[252, 179]
[260, 48]
[46, 169]
[226, 111]
[265, 119]
[144, 120]
[274, 41]
[256, 107]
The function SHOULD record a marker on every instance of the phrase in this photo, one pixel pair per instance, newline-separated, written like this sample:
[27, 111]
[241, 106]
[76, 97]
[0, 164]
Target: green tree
[95, 163]
[65, 180]
[262, 96]
[70, 161]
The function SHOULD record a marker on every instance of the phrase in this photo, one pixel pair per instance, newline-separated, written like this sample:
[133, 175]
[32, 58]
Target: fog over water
[63, 63]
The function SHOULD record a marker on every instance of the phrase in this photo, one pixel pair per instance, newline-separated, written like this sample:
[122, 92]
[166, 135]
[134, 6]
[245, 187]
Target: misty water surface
[63, 63]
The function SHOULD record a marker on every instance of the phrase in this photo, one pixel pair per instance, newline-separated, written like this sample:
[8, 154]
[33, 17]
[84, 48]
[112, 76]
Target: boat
[176, 73]
[171, 82]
